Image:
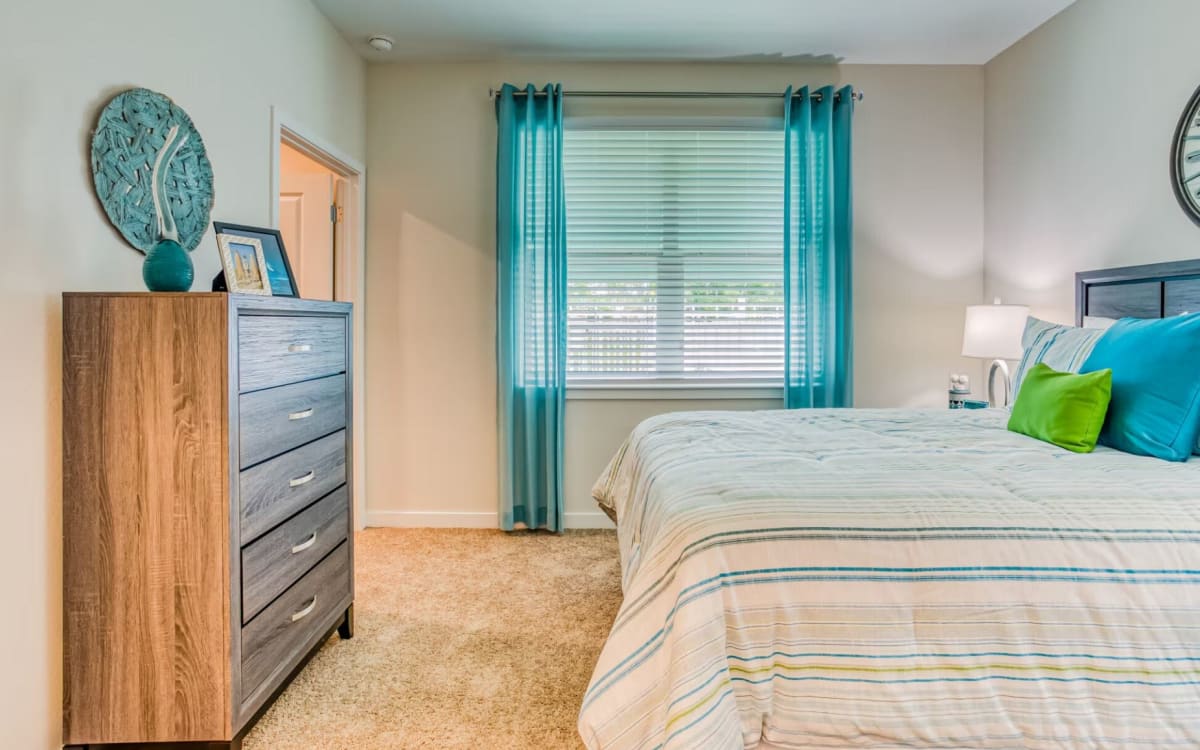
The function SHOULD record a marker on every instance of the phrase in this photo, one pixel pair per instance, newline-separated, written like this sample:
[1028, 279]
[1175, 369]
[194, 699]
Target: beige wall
[224, 61]
[595, 429]
[293, 161]
[431, 444]
[1080, 117]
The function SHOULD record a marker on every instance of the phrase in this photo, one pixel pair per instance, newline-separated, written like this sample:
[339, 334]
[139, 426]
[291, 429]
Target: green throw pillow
[1061, 407]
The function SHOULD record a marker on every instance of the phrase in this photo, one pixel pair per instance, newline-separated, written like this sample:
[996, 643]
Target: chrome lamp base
[1001, 366]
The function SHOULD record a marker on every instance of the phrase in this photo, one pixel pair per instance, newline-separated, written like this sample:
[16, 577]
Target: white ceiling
[967, 32]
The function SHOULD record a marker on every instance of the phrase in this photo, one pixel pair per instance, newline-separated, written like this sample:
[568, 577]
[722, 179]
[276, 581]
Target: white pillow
[1064, 348]
[1095, 321]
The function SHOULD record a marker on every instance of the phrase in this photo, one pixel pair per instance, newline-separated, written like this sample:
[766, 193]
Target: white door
[341, 189]
[306, 221]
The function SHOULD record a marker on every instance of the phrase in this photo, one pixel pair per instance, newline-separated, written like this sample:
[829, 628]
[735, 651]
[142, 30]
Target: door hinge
[335, 215]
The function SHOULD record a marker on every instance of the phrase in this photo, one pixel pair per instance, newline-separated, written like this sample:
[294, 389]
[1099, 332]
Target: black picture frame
[279, 268]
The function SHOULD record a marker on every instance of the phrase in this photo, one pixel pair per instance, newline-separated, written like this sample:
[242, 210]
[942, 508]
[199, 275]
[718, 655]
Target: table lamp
[994, 332]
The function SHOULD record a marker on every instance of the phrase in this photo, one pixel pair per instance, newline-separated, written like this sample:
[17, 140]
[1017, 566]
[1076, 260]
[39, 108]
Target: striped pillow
[1063, 348]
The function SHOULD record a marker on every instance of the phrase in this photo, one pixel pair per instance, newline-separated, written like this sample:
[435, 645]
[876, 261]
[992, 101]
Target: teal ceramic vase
[168, 268]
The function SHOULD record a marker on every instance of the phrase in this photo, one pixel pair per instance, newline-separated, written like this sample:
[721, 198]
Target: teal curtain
[818, 222]
[531, 274]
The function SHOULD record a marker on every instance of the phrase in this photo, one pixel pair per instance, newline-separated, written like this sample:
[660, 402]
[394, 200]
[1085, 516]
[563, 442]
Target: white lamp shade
[994, 331]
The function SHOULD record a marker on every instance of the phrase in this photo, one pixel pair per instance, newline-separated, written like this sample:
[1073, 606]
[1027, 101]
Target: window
[674, 256]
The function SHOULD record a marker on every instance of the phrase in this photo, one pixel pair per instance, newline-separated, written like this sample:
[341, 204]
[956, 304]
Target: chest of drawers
[208, 547]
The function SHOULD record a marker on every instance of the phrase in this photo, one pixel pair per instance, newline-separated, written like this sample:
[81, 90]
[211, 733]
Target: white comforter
[871, 578]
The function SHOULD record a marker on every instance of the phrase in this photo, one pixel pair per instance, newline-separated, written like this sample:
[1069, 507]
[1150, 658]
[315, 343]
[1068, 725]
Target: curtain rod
[857, 95]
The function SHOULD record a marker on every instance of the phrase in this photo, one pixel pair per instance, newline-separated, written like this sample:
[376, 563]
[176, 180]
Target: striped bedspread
[895, 579]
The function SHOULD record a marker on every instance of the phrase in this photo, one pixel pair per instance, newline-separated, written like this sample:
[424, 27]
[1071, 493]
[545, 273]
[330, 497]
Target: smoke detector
[381, 43]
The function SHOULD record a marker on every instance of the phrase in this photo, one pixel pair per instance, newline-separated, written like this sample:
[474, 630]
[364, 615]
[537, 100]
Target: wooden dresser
[207, 545]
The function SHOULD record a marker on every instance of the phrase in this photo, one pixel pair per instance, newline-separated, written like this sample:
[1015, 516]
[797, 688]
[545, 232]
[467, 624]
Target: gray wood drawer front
[278, 559]
[284, 627]
[277, 349]
[274, 490]
[276, 420]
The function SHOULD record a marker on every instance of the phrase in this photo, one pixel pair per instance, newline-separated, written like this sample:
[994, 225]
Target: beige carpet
[463, 639]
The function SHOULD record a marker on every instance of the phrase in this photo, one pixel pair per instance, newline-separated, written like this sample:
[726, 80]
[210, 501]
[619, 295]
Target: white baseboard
[433, 519]
[469, 520]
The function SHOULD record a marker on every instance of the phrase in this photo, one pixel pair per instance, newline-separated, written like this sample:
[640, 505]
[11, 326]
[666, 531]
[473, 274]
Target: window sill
[673, 393]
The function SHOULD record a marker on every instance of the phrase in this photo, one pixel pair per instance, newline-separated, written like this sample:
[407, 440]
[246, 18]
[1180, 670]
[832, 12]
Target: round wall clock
[132, 129]
[1185, 158]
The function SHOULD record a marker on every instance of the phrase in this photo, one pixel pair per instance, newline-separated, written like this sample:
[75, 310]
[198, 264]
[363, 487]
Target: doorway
[316, 202]
[311, 218]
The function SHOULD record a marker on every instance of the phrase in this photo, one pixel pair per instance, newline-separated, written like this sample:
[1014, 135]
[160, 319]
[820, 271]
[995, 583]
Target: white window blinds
[674, 256]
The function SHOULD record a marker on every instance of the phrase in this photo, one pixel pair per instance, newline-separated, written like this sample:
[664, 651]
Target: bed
[894, 578]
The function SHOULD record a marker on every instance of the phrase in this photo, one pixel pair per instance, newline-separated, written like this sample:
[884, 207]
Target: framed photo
[245, 265]
[279, 269]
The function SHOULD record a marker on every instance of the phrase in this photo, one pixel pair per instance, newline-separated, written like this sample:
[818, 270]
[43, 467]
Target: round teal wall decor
[132, 129]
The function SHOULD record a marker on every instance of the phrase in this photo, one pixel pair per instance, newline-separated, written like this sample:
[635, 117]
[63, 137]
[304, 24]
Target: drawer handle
[312, 539]
[299, 348]
[302, 414]
[302, 480]
[308, 608]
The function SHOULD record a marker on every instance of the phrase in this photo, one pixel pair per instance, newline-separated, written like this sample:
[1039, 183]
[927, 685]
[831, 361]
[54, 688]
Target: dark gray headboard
[1156, 290]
